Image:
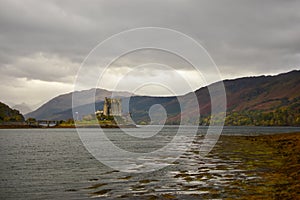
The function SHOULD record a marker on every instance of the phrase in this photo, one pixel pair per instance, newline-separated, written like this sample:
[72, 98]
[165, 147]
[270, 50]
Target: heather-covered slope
[260, 98]
[263, 100]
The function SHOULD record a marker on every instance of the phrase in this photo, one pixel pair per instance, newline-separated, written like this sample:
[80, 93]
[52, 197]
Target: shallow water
[53, 164]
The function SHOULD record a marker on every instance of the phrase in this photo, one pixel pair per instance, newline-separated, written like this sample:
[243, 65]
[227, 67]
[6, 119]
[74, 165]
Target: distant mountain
[60, 107]
[23, 108]
[8, 114]
[262, 100]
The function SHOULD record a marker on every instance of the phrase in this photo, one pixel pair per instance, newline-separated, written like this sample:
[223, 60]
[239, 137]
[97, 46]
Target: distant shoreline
[25, 126]
[66, 126]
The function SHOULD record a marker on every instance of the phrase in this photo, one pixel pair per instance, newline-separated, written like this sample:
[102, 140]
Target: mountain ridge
[245, 94]
[52, 108]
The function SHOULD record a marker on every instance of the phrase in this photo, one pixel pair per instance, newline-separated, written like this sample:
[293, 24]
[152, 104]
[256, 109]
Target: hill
[9, 115]
[262, 100]
[23, 108]
[60, 107]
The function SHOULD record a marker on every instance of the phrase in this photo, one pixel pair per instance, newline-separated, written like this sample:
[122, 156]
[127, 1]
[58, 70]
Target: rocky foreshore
[274, 158]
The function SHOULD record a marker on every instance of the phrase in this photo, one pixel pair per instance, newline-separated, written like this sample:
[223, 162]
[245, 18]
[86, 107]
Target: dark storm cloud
[243, 37]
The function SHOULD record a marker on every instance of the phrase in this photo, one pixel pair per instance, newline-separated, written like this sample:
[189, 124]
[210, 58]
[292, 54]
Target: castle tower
[106, 107]
[112, 107]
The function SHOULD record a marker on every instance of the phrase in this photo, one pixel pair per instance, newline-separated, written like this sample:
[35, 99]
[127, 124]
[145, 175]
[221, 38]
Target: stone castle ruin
[112, 107]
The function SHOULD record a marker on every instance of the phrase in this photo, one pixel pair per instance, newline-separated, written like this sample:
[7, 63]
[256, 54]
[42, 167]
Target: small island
[110, 117]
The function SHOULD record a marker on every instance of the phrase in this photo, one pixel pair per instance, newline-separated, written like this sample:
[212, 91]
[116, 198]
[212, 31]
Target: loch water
[54, 164]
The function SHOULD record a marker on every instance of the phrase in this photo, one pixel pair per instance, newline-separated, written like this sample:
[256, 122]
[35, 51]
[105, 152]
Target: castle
[112, 107]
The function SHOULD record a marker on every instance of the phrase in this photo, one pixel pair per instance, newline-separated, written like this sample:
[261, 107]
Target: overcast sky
[43, 43]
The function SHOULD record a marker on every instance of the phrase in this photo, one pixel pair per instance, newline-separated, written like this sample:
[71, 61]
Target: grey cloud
[72, 29]
[243, 37]
[41, 67]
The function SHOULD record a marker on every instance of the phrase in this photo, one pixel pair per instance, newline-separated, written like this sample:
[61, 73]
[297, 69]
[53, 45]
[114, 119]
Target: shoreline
[25, 126]
[275, 158]
[253, 167]
[66, 126]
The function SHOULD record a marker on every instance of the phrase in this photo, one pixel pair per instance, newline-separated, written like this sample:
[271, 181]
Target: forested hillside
[9, 115]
